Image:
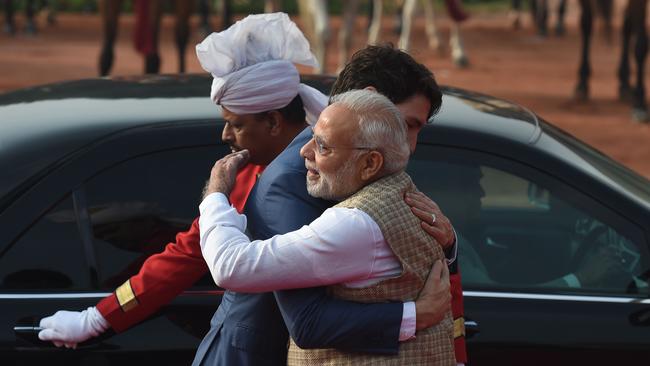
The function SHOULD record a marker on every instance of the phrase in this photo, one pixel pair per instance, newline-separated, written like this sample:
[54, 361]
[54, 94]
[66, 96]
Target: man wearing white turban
[252, 64]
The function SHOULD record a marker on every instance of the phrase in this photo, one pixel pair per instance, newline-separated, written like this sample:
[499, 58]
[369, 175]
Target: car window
[48, 256]
[519, 231]
[138, 206]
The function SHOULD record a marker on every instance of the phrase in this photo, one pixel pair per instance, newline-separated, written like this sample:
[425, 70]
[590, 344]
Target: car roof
[41, 125]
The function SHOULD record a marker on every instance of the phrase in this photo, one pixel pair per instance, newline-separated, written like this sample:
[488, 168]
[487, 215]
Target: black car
[99, 174]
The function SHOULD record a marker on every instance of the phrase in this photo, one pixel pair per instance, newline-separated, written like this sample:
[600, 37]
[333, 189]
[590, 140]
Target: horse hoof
[461, 62]
[397, 28]
[10, 29]
[640, 114]
[30, 28]
[542, 32]
[560, 30]
[625, 94]
[152, 64]
[581, 93]
[105, 62]
[516, 24]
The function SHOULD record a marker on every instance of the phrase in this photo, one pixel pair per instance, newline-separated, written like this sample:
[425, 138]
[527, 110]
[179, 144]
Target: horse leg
[10, 23]
[541, 17]
[110, 13]
[182, 30]
[515, 14]
[307, 22]
[458, 54]
[624, 88]
[560, 28]
[350, 9]
[271, 6]
[322, 30]
[226, 14]
[204, 14]
[430, 26]
[408, 11]
[457, 15]
[315, 23]
[52, 7]
[30, 12]
[639, 107]
[375, 23]
[152, 57]
[605, 8]
[584, 71]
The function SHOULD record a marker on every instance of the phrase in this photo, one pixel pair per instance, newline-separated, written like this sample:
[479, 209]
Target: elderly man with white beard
[376, 249]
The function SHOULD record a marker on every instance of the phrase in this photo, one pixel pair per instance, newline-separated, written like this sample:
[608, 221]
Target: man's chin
[314, 190]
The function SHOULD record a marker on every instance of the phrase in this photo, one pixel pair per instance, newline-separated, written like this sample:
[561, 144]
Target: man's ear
[371, 88]
[276, 122]
[371, 165]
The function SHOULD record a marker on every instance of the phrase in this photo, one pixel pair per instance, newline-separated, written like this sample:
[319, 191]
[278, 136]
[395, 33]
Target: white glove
[67, 328]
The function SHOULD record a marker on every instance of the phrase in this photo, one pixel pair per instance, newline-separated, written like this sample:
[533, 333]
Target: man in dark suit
[249, 328]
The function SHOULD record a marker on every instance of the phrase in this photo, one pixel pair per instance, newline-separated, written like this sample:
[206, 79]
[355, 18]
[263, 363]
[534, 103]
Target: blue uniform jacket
[249, 329]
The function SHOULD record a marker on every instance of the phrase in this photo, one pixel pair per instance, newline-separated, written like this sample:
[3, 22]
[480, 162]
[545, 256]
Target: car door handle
[19, 329]
[471, 328]
[27, 330]
[29, 333]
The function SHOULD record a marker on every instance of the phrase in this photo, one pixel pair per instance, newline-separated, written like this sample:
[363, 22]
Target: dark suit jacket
[248, 329]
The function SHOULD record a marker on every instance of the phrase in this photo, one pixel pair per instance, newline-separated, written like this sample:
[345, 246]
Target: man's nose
[307, 151]
[226, 134]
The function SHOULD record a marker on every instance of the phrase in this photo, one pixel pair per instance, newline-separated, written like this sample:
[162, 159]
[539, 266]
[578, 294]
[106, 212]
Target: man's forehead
[334, 119]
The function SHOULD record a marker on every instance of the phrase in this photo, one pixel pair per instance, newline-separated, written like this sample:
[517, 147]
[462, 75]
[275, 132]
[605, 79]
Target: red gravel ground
[515, 65]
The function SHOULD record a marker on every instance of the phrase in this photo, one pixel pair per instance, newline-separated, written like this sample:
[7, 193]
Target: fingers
[242, 154]
[445, 274]
[423, 215]
[436, 270]
[439, 234]
[424, 209]
[46, 322]
[233, 160]
[421, 201]
[55, 337]
[47, 334]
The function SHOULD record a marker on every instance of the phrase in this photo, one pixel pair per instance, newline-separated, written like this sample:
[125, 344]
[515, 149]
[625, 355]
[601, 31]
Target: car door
[551, 274]
[89, 225]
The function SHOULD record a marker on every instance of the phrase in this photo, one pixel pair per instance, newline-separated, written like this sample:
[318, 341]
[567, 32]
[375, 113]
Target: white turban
[252, 65]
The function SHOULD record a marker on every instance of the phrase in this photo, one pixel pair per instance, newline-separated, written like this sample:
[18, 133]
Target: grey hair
[381, 126]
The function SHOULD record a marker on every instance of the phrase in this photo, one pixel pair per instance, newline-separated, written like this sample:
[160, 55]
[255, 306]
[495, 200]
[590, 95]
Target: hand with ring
[434, 222]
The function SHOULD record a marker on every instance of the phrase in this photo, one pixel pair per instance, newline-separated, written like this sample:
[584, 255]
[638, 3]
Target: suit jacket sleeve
[165, 275]
[314, 319]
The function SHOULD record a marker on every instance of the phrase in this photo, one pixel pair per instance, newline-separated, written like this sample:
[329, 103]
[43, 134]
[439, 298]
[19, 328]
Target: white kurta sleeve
[338, 247]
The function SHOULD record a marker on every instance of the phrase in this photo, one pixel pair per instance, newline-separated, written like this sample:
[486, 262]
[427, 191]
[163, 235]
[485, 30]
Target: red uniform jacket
[165, 275]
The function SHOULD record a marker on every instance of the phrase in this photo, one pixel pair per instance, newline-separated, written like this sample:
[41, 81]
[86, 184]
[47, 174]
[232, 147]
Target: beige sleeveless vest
[383, 201]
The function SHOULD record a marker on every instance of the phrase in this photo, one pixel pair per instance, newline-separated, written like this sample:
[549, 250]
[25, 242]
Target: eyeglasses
[323, 149]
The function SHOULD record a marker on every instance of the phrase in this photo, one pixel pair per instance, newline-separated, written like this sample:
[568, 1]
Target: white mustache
[310, 168]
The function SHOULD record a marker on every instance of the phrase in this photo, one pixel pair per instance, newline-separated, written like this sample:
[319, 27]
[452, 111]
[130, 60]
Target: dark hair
[294, 112]
[393, 72]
